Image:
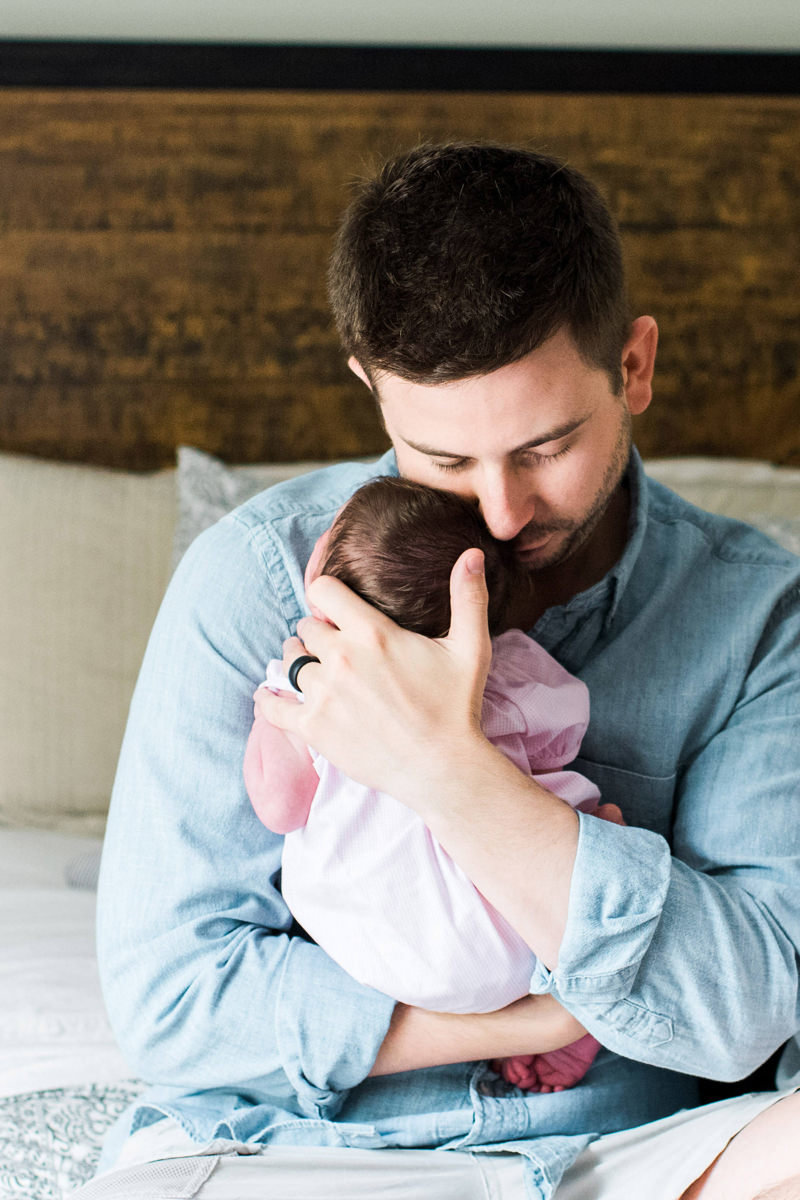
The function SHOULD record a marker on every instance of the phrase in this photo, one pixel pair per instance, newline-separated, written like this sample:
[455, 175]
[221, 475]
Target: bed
[167, 353]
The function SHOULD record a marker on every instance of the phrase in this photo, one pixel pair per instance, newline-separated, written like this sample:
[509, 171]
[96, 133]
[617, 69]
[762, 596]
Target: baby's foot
[551, 1072]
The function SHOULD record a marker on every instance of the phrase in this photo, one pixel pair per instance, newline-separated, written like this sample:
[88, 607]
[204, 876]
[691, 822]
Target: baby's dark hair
[395, 543]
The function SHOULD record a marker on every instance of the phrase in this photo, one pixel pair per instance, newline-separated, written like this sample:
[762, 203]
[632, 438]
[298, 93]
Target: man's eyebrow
[552, 436]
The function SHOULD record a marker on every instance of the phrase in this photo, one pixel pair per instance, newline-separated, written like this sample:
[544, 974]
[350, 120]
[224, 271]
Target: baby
[361, 872]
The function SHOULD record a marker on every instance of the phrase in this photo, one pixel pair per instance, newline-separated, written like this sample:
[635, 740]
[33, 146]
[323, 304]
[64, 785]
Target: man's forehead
[461, 425]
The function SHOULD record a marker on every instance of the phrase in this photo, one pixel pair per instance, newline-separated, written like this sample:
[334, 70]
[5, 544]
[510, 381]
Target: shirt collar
[621, 572]
[607, 592]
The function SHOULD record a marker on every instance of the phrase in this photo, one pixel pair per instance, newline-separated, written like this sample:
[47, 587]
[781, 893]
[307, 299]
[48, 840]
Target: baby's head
[395, 542]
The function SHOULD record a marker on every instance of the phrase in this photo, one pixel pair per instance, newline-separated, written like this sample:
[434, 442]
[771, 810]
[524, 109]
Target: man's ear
[357, 369]
[638, 364]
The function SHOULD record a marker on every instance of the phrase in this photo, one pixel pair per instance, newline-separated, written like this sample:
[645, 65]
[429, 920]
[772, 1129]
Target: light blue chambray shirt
[680, 951]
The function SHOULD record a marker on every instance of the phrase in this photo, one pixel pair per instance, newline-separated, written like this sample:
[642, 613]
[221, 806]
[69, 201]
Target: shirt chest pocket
[646, 800]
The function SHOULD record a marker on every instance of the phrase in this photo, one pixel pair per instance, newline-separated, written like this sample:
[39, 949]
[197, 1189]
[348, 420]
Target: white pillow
[84, 559]
[208, 489]
[757, 492]
[750, 491]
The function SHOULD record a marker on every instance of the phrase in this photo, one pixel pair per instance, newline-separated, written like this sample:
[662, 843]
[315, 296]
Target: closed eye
[527, 457]
[534, 456]
[451, 466]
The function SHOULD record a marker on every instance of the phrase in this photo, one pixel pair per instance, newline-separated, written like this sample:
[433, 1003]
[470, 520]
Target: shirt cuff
[329, 1028]
[619, 887]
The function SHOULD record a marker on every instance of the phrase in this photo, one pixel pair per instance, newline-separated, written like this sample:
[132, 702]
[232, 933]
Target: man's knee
[788, 1190]
[762, 1162]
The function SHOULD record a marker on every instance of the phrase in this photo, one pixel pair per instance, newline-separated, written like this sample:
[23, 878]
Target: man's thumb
[469, 603]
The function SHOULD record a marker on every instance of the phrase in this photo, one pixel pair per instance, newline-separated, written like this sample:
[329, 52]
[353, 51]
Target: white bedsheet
[53, 1027]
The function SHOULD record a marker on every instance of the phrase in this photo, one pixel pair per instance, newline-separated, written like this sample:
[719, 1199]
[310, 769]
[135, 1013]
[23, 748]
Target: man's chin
[558, 549]
[547, 553]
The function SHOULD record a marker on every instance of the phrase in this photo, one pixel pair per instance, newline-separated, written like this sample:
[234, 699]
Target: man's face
[541, 445]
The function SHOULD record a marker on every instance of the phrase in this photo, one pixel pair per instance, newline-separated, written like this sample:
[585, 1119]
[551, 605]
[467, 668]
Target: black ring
[296, 668]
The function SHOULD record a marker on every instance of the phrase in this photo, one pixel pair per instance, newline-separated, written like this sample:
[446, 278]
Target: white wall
[668, 24]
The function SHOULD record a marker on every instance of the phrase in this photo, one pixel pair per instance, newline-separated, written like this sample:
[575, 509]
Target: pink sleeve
[537, 713]
[279, 776]
[530, 695]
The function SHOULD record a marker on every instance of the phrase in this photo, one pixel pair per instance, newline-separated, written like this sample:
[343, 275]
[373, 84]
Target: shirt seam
[269, 558]
[717, 551]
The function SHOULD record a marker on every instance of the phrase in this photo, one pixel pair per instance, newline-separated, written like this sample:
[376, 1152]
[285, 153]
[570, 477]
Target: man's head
[459, 259]
[480, 293]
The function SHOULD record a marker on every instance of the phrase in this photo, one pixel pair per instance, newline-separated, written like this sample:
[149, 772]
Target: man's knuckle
[374, 639]
[338, 663]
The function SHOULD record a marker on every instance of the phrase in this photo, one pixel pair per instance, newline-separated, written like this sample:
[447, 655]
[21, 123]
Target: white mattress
[53, 1028]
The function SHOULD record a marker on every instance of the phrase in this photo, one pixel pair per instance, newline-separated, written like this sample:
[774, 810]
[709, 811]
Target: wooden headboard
[163, 252]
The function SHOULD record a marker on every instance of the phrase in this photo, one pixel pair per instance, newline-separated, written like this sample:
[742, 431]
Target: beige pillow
[84, 559]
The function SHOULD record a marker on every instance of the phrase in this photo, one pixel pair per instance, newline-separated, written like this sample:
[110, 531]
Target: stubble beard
[580, 535]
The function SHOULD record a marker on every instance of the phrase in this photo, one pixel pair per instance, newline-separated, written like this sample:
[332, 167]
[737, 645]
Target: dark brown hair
[458, 259]
[395, 543]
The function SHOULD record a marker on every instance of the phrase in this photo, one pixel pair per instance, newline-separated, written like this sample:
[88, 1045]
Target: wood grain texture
[162, 260]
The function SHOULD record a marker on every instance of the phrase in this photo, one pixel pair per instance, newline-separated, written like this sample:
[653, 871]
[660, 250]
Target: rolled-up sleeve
[684, 953]
[206, 983]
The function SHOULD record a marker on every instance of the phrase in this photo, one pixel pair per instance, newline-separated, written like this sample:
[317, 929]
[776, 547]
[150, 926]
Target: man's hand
[389, 708]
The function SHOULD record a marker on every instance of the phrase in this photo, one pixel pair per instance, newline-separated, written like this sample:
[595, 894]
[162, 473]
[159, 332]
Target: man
[479, 292]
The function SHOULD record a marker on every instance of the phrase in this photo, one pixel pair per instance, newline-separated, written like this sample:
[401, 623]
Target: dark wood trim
[248, 66]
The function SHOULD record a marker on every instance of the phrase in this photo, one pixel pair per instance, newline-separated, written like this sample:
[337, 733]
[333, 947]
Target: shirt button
[495, 1086]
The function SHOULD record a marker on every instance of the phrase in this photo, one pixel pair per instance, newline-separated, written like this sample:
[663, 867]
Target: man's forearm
[416, 1038]
[515, 840]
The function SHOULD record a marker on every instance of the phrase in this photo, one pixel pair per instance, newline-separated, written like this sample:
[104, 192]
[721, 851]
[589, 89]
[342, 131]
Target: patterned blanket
[50, 1140]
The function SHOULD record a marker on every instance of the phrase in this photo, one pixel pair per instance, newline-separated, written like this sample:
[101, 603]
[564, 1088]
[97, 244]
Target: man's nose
[507, 507]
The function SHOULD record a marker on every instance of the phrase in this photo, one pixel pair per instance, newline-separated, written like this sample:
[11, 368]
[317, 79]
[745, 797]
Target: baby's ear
[317, 556]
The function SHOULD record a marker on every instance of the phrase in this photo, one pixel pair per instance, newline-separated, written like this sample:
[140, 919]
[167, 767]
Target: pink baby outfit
[371, 885]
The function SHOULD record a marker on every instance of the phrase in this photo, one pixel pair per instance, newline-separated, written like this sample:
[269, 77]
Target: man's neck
[585, 567]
